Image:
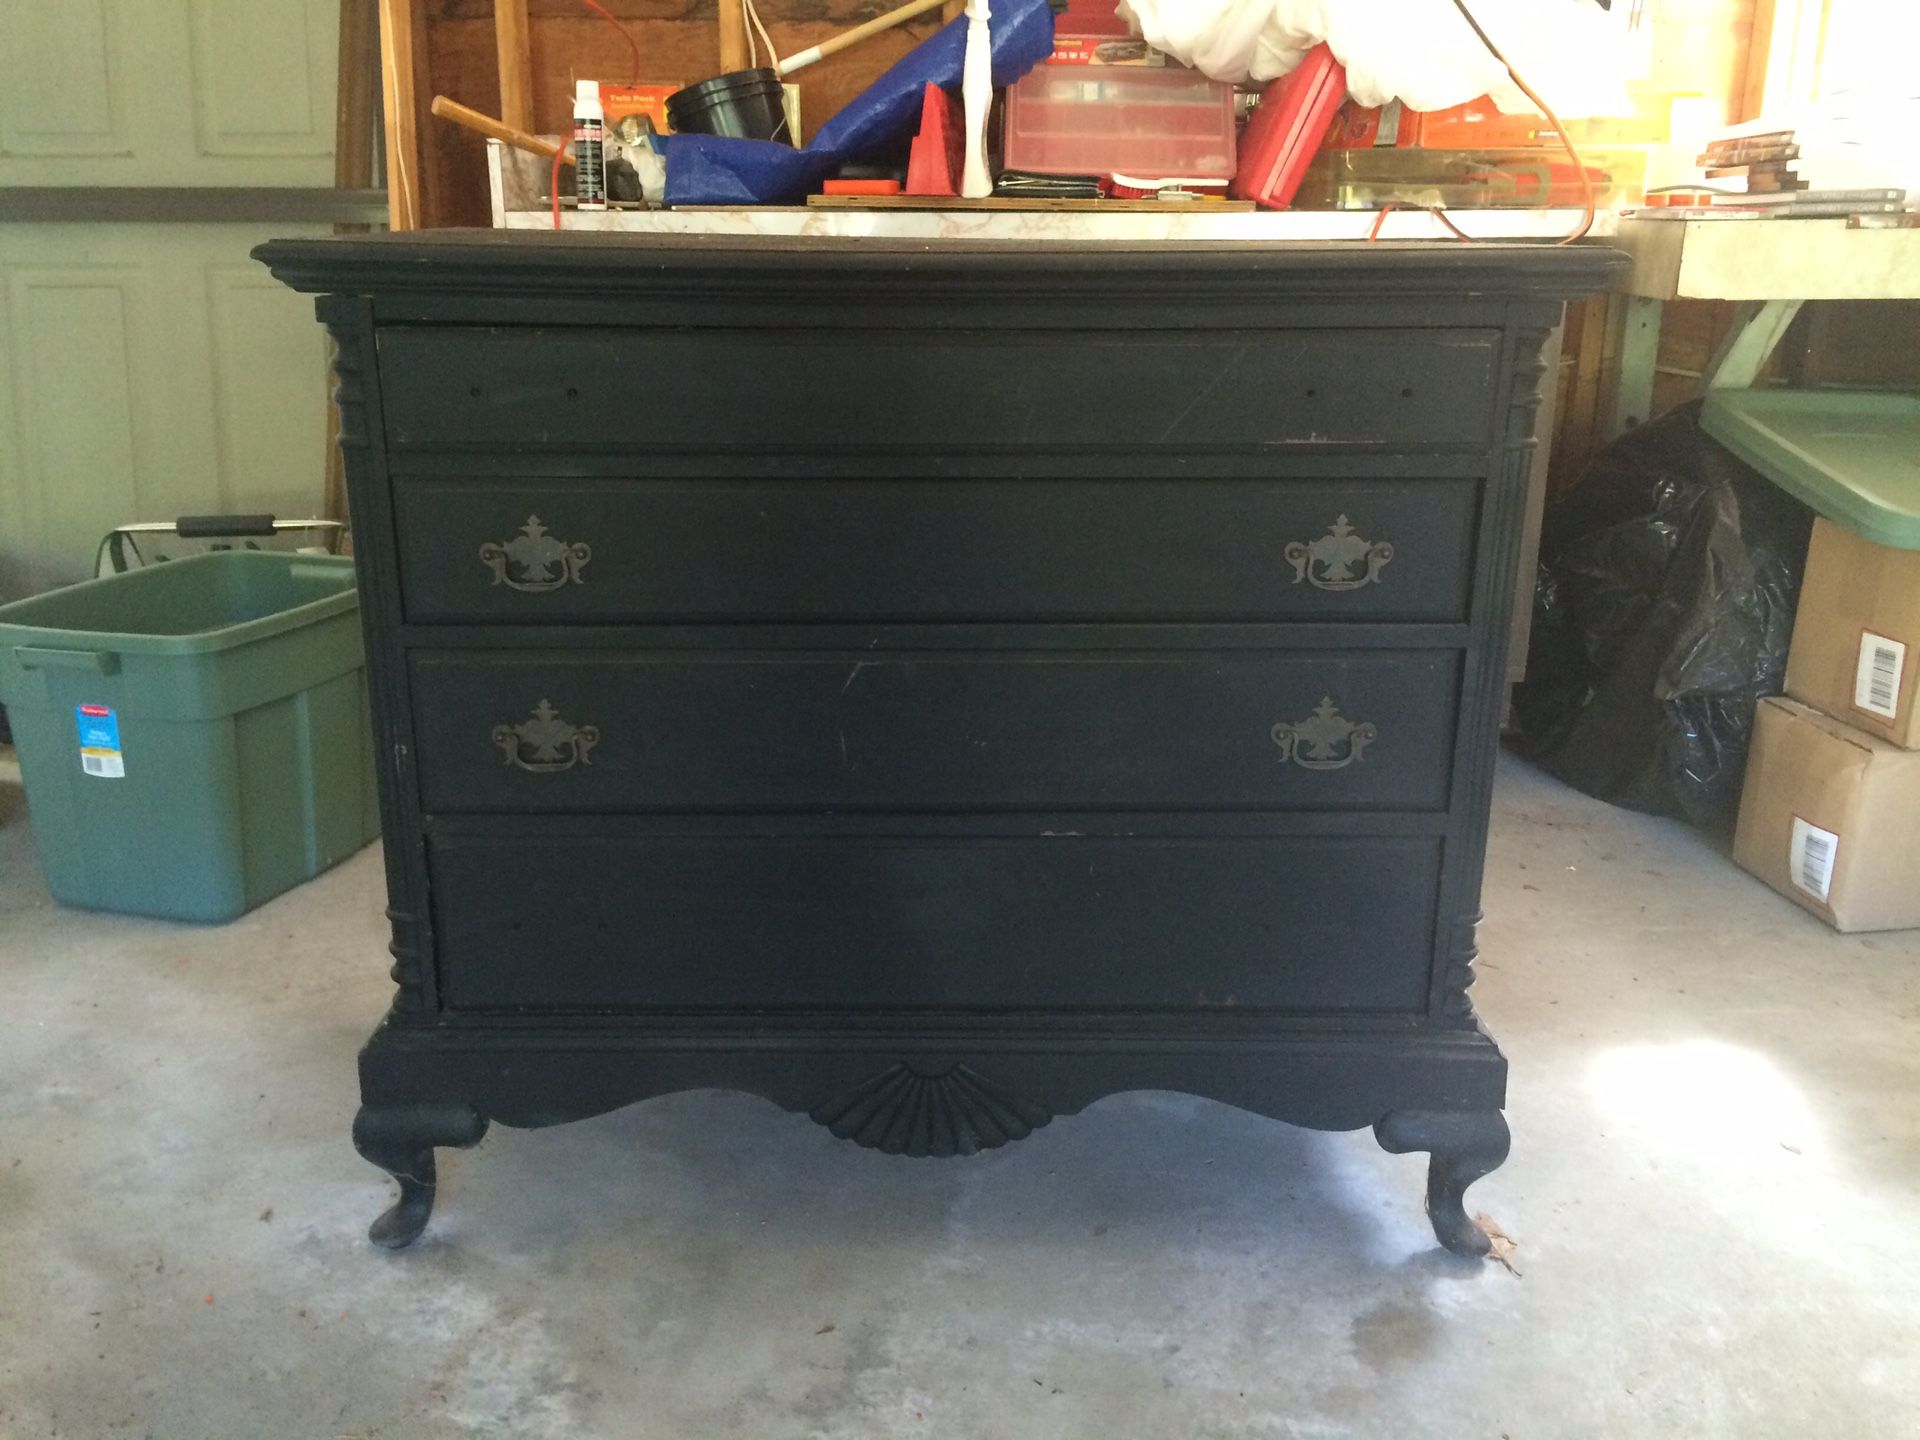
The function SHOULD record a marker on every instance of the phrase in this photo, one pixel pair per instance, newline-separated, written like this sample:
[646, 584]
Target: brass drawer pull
[534, 561]
[544, 744]
[1327, 741]
[1339, 559]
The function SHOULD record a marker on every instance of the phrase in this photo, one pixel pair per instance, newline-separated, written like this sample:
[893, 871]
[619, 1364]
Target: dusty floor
[1715, 1101]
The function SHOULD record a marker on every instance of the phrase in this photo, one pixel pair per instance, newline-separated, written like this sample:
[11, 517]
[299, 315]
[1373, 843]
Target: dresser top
[491, 260]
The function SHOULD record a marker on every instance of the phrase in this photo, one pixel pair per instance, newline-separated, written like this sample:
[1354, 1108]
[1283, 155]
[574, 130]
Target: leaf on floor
[1502, 1244]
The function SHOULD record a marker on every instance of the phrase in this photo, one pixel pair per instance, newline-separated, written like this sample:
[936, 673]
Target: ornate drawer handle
[1327, 741]
[534, 561]
[1339, 559]
[544, 744]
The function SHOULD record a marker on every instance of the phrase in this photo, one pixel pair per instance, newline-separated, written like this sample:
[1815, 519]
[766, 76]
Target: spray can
[589, 146]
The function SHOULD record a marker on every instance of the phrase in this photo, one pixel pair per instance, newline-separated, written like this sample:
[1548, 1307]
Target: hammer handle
[496, 130]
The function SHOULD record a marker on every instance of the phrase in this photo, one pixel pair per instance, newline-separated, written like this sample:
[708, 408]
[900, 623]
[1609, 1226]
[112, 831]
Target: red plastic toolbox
[1287, 127]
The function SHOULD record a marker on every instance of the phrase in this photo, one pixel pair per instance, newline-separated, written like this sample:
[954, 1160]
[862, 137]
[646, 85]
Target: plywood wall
[1699, 47]
[678, 40]
[1702, 47]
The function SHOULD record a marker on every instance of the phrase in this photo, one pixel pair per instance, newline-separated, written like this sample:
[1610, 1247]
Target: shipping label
[1876, 679]
[1810, 856]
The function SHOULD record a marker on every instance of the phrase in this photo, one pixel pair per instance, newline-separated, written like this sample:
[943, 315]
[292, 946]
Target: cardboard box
[1856, 637]
[621, 103]
[1830, 817]
[1104, 50]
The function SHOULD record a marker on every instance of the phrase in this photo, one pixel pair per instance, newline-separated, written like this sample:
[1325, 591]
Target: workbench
[1772, 267]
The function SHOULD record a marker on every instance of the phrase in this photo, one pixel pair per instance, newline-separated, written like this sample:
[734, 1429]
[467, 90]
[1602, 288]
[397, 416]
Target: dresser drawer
[716, 730]
[541, 551]
[606, 920]
[640, 390]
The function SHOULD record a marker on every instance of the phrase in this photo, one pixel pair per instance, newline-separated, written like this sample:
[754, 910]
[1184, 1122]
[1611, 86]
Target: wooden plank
[1700, 48]
[356, 95]
[1638, 355]
[402, 60]
[1690, 332]
[1751, 97]
[513, 44]
[1749, 345]
[1607, 395]
[1583, 396]
[464, 63]
[1579, 428]
[733, 36]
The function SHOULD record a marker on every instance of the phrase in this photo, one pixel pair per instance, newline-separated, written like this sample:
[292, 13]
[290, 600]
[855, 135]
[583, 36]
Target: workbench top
[1197, 221]
[1767, 260]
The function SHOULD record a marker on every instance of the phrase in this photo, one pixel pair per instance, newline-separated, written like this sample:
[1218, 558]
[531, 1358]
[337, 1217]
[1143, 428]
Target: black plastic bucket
[746, 104]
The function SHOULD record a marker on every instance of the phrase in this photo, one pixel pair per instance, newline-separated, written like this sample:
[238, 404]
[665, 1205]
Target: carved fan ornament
[535, 561]
[901, 1111]
[1339, 559]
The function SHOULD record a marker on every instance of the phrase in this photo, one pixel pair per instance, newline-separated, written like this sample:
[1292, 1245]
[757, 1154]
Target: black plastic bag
[1662, 613]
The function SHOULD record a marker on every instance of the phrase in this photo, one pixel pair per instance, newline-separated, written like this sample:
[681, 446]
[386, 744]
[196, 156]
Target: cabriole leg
[1463, 1145]
[400, 1139]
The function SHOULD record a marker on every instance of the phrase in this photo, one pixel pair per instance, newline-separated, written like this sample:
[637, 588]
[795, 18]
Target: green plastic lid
[1851, 455]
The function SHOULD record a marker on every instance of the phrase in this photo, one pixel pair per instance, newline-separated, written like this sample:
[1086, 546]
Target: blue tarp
[717, 170]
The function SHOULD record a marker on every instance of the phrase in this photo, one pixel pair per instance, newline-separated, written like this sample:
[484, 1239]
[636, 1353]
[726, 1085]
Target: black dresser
[934, 687]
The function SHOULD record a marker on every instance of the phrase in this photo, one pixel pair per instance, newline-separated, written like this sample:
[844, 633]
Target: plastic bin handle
[204, 527]
[101, 662]
[319, 568]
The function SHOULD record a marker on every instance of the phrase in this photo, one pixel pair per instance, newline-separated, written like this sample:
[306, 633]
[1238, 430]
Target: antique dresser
[934, 687]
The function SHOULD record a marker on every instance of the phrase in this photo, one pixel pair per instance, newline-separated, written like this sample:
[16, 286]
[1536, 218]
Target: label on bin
[100, 741]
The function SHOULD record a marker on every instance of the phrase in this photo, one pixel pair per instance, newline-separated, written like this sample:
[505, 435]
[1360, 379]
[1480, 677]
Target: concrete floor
[1715, 1103]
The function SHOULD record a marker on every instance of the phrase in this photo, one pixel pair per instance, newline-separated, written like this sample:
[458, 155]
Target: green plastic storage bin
[194, 738]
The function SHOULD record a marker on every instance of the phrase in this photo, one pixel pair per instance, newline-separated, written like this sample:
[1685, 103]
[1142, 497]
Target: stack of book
[1756, 174]
[1877, 206]
[1812, 204]
[1761, 176]
[1753, 164]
